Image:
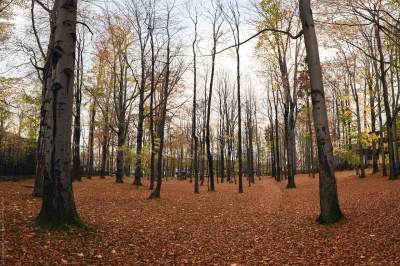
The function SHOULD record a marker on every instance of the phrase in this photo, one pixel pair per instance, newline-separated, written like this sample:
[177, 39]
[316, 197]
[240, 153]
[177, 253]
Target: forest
[218, 132]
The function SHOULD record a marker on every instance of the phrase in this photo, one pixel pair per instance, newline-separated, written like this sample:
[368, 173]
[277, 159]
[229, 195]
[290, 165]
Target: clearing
[267, 224]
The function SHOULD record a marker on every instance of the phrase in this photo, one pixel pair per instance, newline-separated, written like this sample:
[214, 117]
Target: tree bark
[58, 206]
[329, 202]
[44, 109]
[76, 156]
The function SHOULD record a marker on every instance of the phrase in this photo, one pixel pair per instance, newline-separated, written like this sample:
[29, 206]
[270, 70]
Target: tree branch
[7, 5]
[84, 24]
[260, 32]
[35, 31]
[43, 6]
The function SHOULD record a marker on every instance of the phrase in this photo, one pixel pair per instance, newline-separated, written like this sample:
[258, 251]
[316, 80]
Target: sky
[250, 65]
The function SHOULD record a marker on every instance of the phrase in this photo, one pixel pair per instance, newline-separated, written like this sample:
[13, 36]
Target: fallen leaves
[267, 224]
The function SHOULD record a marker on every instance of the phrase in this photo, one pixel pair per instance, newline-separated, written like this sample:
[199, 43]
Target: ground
[266, 225]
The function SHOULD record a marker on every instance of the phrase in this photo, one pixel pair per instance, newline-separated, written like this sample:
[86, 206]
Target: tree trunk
[161, 126]
[375, 168]
[152, 85]
[360, 148]
[76, 157]
[120, 157]
[40, 161]
[208, 141]
[389, 122]
[329, 202]
[44, 109]
[140, 127]
[58, 206]
[91, 140]
[311, 148]
[272, 140]
[104, 147]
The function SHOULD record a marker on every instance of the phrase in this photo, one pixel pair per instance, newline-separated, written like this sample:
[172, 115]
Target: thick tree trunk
[44, 109]
[329, 202]
[58, 206]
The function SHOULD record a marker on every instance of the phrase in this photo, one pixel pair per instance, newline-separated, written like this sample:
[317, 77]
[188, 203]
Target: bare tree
[216, 18]
[195, 140]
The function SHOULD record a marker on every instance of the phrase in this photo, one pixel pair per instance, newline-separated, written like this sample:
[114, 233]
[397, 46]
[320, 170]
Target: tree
[234, 22]
[140, 17]
[351, 71]
[195, 139]
[44, 77]
[171, 79]
[58, 207]
[277, 15]
[76, 152]
[329, 202]
[92, 111]
[216, 19]
[120, 41]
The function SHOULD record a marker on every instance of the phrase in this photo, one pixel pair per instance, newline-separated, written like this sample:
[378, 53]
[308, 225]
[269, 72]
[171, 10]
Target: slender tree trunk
[152, 137]
[161, 126]
[375, 168]
[272, 140]
[104, 146]
[360, 148]
[76, 170]
[141, 117]
[40, 161]
[208, 141]
[389, 123]
[311, 148]
[329, 202]
[120, 157]
[195, 139]
[91, 140]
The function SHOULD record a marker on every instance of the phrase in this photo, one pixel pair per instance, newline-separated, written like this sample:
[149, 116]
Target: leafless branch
[260, 32]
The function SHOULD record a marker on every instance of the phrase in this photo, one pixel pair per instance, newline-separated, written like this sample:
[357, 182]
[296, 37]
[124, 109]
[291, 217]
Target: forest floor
[266, 225]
